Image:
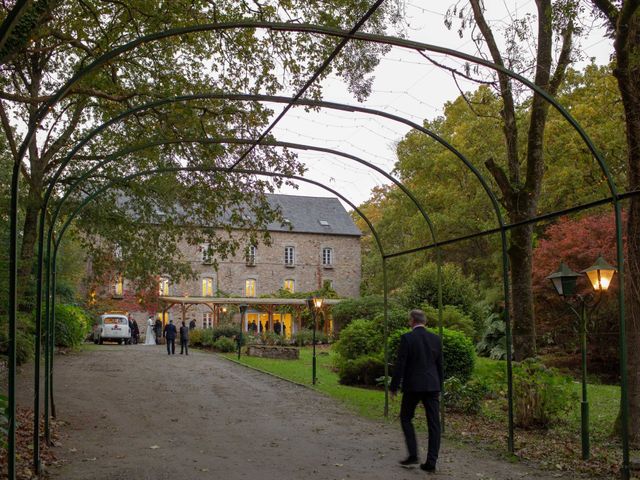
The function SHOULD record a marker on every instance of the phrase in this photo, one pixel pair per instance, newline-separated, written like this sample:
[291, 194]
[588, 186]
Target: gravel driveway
[134, 413]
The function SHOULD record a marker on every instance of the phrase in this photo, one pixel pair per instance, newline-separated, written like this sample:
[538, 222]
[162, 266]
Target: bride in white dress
[149, 337]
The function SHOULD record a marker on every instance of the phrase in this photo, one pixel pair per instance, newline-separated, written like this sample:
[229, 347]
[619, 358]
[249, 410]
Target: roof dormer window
[324, 223]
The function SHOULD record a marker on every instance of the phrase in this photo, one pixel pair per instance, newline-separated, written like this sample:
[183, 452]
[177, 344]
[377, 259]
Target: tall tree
[519, 175]
[623, 20]
[55, 39]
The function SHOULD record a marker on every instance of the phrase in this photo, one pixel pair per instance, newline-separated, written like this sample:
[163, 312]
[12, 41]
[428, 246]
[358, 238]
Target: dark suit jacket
[184, 334]
[419, 363]
[170, 331]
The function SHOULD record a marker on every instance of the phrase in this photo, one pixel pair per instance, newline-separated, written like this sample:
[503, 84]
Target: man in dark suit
[419, 368]
[170, 333]
[184, 339]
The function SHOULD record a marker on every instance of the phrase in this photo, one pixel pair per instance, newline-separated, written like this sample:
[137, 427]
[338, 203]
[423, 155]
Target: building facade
[317, 243]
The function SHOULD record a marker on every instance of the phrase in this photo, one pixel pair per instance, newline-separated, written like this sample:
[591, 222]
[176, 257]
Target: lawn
[366, 402]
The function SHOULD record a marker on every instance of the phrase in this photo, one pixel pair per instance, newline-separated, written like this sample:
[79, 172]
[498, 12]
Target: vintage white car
[114, 327]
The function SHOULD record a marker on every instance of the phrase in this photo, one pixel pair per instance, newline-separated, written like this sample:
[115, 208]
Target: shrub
[207, 337]
[271, 338]
[397, 318]
[459, 355]
[457, 289]
[464, 397]
[225, 345]
[540, 394]
[368, 307]
[457, 349]
[195, 337]
[72, 325]
[453, 318]
[494, 341]
[360, 337]
[364, 370]
[302, 337]
[24, 337]
[229, 331]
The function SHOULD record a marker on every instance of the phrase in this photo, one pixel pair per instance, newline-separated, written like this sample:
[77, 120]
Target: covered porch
[263, 314]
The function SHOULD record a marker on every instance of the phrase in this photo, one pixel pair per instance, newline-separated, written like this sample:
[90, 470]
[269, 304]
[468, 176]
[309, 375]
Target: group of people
[155, 332]
[255, 328]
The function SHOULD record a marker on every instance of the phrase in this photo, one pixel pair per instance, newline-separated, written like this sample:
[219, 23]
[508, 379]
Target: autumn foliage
[577, 242]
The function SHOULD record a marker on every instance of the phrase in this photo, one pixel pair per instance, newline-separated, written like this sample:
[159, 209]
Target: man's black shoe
[427, 467]
[409, 461]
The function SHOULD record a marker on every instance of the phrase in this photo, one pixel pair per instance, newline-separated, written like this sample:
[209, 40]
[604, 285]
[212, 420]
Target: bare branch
[455, 71]
[509, 111]
[564, 59]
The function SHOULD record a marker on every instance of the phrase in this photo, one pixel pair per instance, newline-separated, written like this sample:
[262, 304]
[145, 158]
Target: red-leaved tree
[578, 243]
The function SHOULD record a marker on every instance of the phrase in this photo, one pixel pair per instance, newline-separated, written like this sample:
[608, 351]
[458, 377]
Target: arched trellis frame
[345, 35]
[310, 103]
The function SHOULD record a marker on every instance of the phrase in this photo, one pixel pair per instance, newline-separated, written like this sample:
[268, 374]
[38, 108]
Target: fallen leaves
[24, 447]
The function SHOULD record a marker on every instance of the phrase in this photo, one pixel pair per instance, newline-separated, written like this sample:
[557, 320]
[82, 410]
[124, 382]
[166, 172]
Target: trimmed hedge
[365, 370]
[361, 337]
[225, 345]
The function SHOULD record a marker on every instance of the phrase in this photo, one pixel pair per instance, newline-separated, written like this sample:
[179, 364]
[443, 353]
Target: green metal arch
[325, 31]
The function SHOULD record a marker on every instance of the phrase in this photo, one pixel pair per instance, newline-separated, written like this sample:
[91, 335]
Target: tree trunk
[632, 300]
[27, 252]
[627, 46]
[522, 316]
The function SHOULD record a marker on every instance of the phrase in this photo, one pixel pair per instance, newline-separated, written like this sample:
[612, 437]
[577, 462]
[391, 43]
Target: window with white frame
[289, 256]
[207, 320]
[207, 287]
[328, 284]
[250, 287]
[163, 286]
[251, 255]
[118, 287]
[327, 257]
[289, 285]
[207, 253]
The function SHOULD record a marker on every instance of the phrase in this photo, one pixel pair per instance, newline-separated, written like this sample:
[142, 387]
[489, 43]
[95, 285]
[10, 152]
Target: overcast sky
[406, 84]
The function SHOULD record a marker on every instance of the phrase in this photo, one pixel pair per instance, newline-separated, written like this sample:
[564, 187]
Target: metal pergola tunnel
[51, 228]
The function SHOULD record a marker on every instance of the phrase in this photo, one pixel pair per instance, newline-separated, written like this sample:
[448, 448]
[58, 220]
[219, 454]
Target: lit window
[251, 255]
[163, 287]
[207, 287]
[327, 257]
[289, 286]
[250, 288]
[289, 256]
[207, 320]
[207, 253]
[118, 287]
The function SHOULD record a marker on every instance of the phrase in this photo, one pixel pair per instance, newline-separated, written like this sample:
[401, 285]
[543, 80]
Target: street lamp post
[314, 304]
[564, 281]
[243, 310]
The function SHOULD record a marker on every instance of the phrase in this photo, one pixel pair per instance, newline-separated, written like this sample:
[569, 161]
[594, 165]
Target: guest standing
[170, 334]
[184, 339]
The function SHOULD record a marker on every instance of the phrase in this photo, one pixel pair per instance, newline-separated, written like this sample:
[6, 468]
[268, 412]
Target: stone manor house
[318, 243]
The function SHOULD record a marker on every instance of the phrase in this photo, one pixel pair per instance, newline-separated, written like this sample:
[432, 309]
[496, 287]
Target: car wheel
[95, 340]
[100, 341]
[119, 341]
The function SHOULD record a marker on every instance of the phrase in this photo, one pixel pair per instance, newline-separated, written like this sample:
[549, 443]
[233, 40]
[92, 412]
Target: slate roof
[306, 213]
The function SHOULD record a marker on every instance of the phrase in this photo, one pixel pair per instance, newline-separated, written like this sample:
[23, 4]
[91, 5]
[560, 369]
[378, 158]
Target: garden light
[600, 274]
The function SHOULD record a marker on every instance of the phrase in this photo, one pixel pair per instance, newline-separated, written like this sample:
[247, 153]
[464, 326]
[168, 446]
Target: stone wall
[277, 352]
